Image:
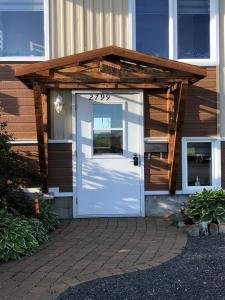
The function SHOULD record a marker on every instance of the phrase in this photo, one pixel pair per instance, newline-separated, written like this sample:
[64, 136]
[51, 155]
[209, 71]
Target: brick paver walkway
[90, 248]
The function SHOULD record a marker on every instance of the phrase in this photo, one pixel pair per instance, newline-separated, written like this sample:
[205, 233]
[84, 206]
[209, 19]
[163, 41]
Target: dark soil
[198, 273]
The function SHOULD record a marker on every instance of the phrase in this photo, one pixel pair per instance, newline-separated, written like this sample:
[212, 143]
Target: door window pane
[199, 159]
[108, 116]
[106, 142]
[22, 28]
[152, 27]
[193, 29]
[107, 131]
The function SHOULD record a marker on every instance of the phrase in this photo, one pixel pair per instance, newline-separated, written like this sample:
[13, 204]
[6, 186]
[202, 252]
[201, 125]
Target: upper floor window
[178, 29]
[22, 30]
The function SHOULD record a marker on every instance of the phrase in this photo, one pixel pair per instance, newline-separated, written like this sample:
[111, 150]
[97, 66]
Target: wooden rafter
[40, 104]
[177, 110]
[114, 53]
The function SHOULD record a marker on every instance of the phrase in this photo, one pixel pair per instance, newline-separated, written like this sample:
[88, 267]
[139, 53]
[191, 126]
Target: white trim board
[156, 140]
[24, 142]
[60, 141]
[54, 191]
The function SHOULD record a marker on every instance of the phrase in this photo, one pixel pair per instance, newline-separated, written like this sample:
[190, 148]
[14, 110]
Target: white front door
[109, 147]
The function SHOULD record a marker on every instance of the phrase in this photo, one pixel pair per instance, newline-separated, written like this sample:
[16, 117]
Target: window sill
[23, 58]
[193, 190]
[200, 62]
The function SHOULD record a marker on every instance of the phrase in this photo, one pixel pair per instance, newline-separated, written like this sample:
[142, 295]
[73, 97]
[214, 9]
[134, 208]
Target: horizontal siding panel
[6, 85]
[25, 135]
[17, 104]
[157, 132]
[16, 93]
[17, 119]
[9, 101]
[19, 110]
[26, 127]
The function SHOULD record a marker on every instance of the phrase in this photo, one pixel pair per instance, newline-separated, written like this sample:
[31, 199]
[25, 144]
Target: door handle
[135, 159]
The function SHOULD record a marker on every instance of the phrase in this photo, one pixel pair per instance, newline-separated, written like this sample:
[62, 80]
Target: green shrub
[15, 172]
[47, 217]
[19, 236]
[207, 206]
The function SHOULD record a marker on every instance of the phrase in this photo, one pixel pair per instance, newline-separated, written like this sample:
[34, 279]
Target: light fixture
[59, 103]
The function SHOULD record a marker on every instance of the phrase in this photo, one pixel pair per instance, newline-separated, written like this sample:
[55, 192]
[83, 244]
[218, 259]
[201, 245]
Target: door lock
[135, 159]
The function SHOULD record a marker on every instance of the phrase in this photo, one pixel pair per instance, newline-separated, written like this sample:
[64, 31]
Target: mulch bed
[198, 273]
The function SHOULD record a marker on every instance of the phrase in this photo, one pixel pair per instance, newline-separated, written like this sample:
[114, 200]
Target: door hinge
[76, 200]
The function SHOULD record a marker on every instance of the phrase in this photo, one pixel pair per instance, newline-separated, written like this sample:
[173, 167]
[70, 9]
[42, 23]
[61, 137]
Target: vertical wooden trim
[175, 134]
[44, 103]
[40, 102]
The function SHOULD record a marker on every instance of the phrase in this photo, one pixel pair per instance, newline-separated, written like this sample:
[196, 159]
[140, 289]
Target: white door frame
[74, 141]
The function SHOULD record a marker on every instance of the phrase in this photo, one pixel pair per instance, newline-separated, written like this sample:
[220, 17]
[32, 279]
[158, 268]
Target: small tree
[13, 173]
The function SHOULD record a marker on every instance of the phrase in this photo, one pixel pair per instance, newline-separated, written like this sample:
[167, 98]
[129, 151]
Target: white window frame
[173, 35]
[46, 41]
[216, 164]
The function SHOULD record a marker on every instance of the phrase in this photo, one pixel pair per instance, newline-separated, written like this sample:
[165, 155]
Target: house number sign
[99, 97]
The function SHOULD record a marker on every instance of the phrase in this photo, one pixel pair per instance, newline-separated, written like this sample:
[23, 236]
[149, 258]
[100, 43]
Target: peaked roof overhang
[109, 65]
[108, 68]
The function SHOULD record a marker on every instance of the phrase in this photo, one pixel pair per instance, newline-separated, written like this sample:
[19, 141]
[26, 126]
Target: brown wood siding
[155, 114]
[60, 166]
[156, 171]
[201, 109]
[29, 153]
[200, 120]
[223, 164]
[17, 104]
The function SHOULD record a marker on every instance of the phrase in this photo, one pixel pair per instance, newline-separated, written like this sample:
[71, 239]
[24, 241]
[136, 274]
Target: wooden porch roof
[112, 68]
[109, 67]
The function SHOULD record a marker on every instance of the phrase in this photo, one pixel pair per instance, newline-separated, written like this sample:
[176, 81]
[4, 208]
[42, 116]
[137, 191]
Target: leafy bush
[20, 229]
[207, 206]
[19, 236]
[15, 171]
[47, 217]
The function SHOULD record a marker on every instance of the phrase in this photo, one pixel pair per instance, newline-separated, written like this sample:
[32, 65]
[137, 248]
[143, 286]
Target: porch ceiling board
[115, 68]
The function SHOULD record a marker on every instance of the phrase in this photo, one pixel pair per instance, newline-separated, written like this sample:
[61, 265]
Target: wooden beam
[113, 52]
[40, 104]
[69, 85]
[177, 110]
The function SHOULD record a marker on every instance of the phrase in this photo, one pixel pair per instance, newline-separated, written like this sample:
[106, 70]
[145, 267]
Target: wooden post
[40, 103]
[175, 134]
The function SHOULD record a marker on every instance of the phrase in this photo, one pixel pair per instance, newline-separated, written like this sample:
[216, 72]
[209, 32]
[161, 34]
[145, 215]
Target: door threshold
[108, 216]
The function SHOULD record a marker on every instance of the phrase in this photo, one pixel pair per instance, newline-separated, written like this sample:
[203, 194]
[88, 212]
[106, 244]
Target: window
[151, 18]
[177, 29]
[23, 29]
[193, 30]
[200, 164]
[107, 128]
